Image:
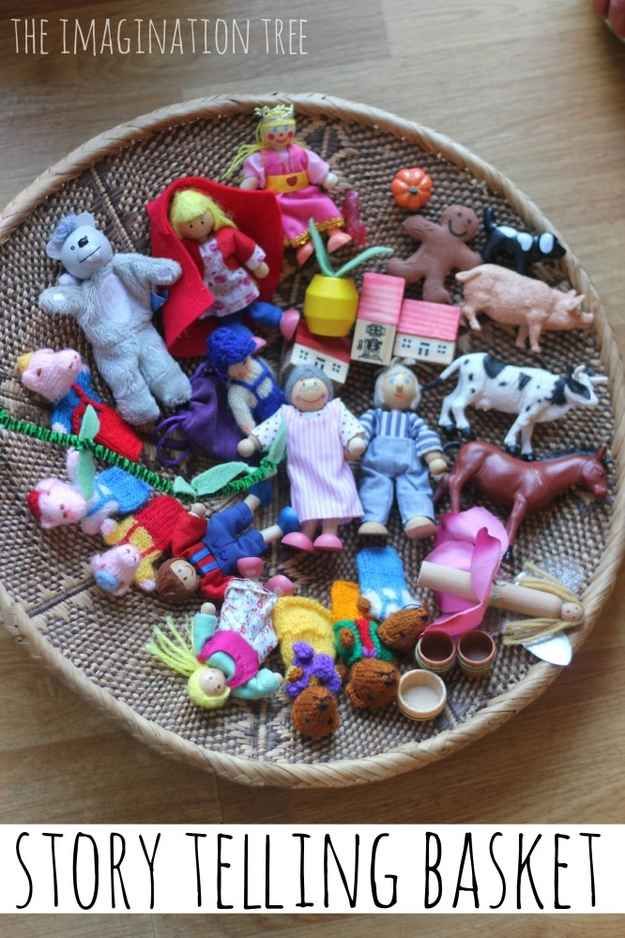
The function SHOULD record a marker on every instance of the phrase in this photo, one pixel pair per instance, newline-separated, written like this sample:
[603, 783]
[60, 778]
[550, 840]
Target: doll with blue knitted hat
[253, 393]
[322, 434]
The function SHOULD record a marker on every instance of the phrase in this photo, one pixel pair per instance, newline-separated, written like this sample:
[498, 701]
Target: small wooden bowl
[436, 651]
[476, 653]
[421, 695]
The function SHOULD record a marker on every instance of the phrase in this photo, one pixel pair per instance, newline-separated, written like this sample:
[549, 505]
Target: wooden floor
[537, 87]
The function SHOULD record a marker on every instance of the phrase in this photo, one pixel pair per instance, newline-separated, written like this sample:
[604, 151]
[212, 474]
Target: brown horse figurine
[526, 486]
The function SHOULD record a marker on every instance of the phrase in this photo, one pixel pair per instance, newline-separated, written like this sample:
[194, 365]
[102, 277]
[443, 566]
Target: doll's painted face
[278, 136]
[309, 394]
[212, 682]
[198, 229]
[176, 580]
[400, 389]
[242, 371]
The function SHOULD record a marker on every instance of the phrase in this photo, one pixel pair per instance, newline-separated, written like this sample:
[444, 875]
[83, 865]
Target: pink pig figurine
[515, 300]
[115, 568]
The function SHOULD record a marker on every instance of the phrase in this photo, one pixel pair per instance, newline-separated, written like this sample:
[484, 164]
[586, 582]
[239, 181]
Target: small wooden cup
[421, 695]
[476, 653]
[436, 651]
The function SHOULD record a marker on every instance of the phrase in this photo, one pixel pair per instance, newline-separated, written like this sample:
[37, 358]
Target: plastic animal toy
[522, 247]
[149, 533]
[443, 249]
[207, 554]
[63, 379]
[109, 295]
[536, 395]
[523, 487]
[223, 659]
[56, 503]
[304, 629]
[253, 393]
[532, 305]
[401, 450]
[245, 228]
[320, 432]
[298, 177]
[366, 649]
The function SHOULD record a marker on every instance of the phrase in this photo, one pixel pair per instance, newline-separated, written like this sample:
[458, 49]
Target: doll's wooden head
[195, 216]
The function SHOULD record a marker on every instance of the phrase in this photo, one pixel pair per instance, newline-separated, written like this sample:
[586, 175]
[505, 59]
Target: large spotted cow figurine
[534, 394]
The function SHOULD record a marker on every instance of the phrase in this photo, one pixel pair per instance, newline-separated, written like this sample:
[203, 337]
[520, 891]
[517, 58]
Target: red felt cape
[255, 212]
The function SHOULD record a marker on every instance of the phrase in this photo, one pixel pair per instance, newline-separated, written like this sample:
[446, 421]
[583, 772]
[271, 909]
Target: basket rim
[409, 756]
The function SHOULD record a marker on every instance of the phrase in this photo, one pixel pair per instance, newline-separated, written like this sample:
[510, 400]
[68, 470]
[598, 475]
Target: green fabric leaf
[320, 250]
[214, 479]
[182, 487]
[362, 258]
[89, 425]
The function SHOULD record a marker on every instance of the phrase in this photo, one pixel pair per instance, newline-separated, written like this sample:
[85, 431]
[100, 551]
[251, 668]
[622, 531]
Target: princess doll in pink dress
[321, 434]
[296, 175]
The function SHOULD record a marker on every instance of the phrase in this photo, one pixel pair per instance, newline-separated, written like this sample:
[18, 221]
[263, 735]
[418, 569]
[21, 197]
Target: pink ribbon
[473, 541]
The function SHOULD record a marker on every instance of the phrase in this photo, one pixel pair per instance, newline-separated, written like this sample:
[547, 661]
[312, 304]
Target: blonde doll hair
[267, 117]
[189, 204]
[530, 630]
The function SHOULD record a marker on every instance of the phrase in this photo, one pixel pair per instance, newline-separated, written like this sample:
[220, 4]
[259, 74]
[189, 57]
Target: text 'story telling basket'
[96, 645]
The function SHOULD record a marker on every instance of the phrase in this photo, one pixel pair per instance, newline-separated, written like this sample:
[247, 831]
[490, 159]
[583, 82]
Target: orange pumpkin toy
[411, 188]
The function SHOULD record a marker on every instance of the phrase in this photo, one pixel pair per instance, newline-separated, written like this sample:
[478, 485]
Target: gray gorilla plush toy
[109, 295]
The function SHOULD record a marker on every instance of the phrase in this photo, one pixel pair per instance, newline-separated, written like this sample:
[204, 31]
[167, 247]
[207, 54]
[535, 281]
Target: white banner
[312, 868]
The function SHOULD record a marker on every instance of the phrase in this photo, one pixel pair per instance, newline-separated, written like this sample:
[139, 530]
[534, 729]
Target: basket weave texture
[97, 646]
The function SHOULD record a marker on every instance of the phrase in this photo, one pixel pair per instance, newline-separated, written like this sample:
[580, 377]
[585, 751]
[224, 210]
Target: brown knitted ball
[372, 684]
[400, 630]
[315, 713]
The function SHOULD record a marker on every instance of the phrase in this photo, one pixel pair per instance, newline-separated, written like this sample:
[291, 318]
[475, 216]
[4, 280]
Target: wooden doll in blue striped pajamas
[402, 452]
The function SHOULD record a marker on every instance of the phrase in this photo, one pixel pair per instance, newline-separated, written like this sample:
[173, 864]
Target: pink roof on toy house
[332, 347]
[429, 320]
[380, 298]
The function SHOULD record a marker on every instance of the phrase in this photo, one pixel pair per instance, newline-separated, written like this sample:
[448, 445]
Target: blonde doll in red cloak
[296, 175]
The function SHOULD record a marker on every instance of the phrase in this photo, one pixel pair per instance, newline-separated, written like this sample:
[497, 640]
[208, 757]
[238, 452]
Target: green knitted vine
[268, 466]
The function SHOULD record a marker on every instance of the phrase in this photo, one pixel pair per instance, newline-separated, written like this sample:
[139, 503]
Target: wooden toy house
[427, 331]
[331, 355]
[379, 309]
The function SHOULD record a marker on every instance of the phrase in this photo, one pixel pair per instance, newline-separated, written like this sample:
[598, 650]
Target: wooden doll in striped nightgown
[321, 435]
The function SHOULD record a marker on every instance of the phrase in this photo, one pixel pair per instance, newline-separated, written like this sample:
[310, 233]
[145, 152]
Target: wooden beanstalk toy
[524, 487]
[534, 394]
[331, 299]
[412, 188]
[513, 300]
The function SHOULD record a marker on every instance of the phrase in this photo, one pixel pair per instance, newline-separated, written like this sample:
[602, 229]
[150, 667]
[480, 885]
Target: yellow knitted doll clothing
[300, 619]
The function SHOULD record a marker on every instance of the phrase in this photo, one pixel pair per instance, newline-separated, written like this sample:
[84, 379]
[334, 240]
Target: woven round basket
[96, 645]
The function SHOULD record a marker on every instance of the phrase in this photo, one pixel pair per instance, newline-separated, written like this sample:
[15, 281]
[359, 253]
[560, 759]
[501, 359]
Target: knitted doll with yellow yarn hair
[304, 629]
[298, 177]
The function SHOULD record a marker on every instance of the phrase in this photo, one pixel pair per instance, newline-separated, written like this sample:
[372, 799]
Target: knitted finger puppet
[109, 295]
[56, 503]
[229, 246]
[382, 581]
[253, 393]
[304, 629]
[367, 648]
[443, 249]
[63, 379]
[208, 553]
[401, 451]
[149, 535]
[296, 174]
[321, 434]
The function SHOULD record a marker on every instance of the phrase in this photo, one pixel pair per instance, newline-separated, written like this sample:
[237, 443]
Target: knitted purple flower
[312, 665]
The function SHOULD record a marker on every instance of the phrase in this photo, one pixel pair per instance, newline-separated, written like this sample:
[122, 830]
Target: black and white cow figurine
[536, 395]
[521, 246]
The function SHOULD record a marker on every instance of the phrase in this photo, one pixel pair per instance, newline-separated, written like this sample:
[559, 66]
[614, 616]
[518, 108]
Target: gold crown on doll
[278, 114]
